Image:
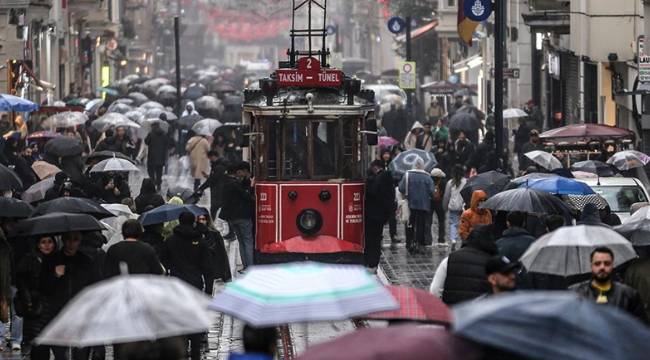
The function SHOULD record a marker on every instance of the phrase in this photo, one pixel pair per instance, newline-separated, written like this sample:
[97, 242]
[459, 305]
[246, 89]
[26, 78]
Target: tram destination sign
[309, 73]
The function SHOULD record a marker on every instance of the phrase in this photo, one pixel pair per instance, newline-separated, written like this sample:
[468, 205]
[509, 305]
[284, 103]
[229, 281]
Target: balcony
[548, 16]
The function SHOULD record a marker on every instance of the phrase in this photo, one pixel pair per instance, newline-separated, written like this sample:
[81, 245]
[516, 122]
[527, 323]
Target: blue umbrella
[168, 212]
[552, 325]
[558, 185]
[15, 103]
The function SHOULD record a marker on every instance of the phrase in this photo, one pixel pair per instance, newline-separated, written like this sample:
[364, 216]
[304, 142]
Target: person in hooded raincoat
[474, 216]
[411, 139]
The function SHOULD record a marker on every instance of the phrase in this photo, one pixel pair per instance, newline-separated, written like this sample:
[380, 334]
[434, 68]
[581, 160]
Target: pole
[409, 93]
[178, 64]
[499, 57]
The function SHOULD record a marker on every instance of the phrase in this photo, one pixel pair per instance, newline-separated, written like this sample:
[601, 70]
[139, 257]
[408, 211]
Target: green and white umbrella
[303, 292]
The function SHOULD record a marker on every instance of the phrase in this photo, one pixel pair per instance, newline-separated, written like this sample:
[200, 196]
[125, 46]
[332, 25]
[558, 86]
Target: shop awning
[419, 31]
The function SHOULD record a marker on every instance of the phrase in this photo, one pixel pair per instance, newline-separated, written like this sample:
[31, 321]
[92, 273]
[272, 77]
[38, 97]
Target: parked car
[620, 192]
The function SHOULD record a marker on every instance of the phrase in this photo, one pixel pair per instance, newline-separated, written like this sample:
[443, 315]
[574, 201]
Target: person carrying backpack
[453, 202]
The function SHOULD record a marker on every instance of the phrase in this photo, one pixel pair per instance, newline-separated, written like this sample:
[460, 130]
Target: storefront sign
[643, 60]
[309, 74]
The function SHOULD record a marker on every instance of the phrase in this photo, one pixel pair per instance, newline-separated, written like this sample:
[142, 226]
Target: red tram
[310, 130]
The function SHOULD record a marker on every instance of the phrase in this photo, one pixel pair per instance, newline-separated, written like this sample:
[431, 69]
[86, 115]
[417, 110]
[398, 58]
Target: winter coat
[466, 277]
[425, 141]
[148, 196]
[591, 216]
[380, 196]
[80, 272]
[29, 295]
[187, 257]
[453, 192]
[474, 216]
[514, 242]
[155, 239]
[410, 140]
[113, 143]
[619, 295]
[637, 275]
[464, 151]
[219, 262]
[394, 121]
[237, 200]
[5, 268]
[419, 189]
[158, 144]
[198, 147]
[216, 182]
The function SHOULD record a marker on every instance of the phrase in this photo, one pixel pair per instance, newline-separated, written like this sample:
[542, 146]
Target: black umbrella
[189, 120]
[462, 121]
[58, 223]
[221, 86]
[595, 167]
[64, 146]
[405, 160]
[98, 156]
[194, 92]
[14, 208]
[9, 180]
[74, 205]
[492, 182]
[138, 98]
[188, 196]
[526, 200]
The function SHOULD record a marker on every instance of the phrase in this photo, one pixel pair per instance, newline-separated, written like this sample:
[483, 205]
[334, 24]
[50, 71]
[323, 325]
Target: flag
[466, 27]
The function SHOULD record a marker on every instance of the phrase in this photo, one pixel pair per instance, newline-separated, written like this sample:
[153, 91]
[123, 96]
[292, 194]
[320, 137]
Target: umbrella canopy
[113, 120]
[544, 159]
[552, 325]
[206, 127]
[514, 113]
[595, 167]
[514, 183]
[135, 115]
[138, 98]
[559, 185]
[169, 89]
[587, 131]
[106, 154]
[194, 92]
[189, 120]
[58, 223]
[492, 182]
[168, 212]
[628, 159]
[119, 210]
[93, 105]
[155, 114]
[386, 141]
[154, 84]
[125, 100]
[14, 208]
[303, 292]
[394, 342]
[151, 105]
[119, 107]
[37, 191]
[65, 120]
[148, 123]
[463, 121]
[15, 103]
[526, 200]
[206, 103]
[406, 159]
[9, 180]
[45, 135]
[567, 250]
[129, 308]
[578, 202]
[222, 86]
[415, 305]
[73, 205]
[64, 146]
[636, 228]
[114, 164]
[185, 194]
[44, 169]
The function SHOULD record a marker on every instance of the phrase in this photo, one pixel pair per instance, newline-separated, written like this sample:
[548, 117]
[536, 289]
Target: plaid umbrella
[415, 305]
[578, 202]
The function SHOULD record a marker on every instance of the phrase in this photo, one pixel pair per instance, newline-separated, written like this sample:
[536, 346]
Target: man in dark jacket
[119, 142]
[158, 143]
[215, 181]
[515, 240]
[533, 144]
[466, 277]
[591, 216]
[380, 197]
[603, 290]
[139, 257]
[238, 210]
[148, 197]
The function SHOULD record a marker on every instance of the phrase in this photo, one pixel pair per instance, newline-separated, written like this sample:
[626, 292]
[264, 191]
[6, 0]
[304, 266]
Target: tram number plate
[309, 74]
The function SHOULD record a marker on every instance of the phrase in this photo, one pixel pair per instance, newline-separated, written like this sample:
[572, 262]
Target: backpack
[456, 202]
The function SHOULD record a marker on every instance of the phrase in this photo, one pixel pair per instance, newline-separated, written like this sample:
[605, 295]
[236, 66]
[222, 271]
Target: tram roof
[325, 101]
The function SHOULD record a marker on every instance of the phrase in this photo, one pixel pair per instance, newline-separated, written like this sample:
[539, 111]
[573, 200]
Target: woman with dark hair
[214, 242]
[453, 202]
[148, 196]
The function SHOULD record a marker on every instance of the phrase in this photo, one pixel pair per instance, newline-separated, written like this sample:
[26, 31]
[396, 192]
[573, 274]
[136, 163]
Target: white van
[620, 192]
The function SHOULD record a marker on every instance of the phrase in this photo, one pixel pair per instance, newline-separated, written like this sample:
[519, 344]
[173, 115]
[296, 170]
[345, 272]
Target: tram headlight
[309, 221]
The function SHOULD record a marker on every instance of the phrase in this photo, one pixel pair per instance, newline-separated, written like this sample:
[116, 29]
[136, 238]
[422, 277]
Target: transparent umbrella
[151, 105]
[155, 114]
[110, 120]
[135, 115]
[628, 159]
[206, 127]
[138, 98]
[544, 159]
[514, 113]
[65, 119]
[118, 107]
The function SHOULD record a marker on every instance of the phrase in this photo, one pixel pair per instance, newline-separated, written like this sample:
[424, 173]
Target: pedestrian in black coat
[153, 236]
[215, 181]
[214, 242]
[380, 200]
[515, 240]
[159, 144]
[139, 257]
[113, 189]
[148, 197]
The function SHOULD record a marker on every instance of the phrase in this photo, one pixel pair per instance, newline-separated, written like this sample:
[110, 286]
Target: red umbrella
[386, 141]
[395, 342]
[587, 131]
[415, 305]
[42, 135]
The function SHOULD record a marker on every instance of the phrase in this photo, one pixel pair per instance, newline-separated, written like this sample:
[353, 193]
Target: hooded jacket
[514, 242]
[410, 141]
[474, 216]
[591, 216]
[148, 196]
[187, 257]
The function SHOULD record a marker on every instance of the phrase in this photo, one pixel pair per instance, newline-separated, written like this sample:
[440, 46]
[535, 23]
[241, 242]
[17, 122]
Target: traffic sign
[643, 60]
[309, 73]
[477, 10]
[331, 29]
[508, 73]
[407, 75]
[396, 25]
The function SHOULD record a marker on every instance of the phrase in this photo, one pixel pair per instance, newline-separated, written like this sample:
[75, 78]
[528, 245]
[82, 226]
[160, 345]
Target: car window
[621, 198]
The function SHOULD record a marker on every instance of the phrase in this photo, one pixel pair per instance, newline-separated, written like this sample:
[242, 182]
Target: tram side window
[324, 148]
[350, 163]
[296, 158]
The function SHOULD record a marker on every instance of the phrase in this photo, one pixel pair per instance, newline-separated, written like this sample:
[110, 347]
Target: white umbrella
[114, 164]
[544, 159]
[155, 114]
[65, 119]
[206, 127]
[119, 107]
[114, 120]
[151, 105]
[119, 210]
[135, 115]
[37, 191]
[93, 104]
[637, 227]
[566, 251]
[514, 113]
[303, 292]
[129, 308]
[628, 159]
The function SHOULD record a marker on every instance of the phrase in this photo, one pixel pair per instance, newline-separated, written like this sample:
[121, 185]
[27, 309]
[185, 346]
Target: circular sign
[478, 10]
[454, 79]
[396, 25]
[330, 29]
[407, 68]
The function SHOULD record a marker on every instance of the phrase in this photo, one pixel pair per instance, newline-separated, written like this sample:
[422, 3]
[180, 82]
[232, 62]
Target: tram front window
[324, 148]
[296, 159]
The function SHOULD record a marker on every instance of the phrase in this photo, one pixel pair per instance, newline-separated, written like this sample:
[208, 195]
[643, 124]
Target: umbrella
[129, 308]
[155, 114]
[65, 120]
[578, 202]
[93, 105]
[44, 169]
[64, 146]
[125, 100]
[303, 292]
[73, 205]
[395, 342]
[206, 127]
[223, 87]
[118, 107]
[206, 103]
[135, 115]
[514, 113]
[147, 123]
[46, 135]
[463, 121]
[110, 90]
[628, 159]
[559, 185]
[58, 223]
[15, 103]
[138, 98]
[465, 92]
[166, 89]
[185, 194]
[526, 200]
[113, 120]
[151, 105]
[37, 191]
[587, 131]
[106, 154]
[415, 305]
[14, 208]
[189, 120]
[155, 83]
[9, 180]
[492, 182]
[636, 228]
[387, 141]
[544, 159]
[552, 325]
[567, 250]
[514, 183]
[168, 212]
[405, 160]
[593, 166]
[194, 92]
[583, 175]
[114, 164]
[119, 210]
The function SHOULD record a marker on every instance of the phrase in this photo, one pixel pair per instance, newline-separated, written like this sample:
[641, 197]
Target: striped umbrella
[303, 292]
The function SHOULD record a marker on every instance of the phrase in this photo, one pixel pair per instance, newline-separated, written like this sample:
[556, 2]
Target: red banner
[309, 74]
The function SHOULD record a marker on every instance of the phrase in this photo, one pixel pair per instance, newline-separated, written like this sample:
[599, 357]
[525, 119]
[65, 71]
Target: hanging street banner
[477, 10]
[407, 75]
[396, 25]
[643, 60]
